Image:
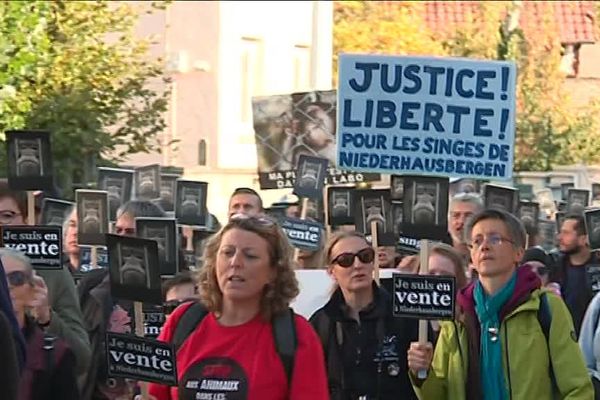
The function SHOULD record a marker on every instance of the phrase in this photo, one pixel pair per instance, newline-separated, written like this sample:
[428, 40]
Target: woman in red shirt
[247, 280]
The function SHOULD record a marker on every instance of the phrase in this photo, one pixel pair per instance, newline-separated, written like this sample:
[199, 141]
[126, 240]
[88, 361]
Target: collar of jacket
[337, 308]
[527, 282]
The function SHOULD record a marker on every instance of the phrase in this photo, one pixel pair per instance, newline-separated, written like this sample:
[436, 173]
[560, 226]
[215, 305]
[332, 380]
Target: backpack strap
[48, 347]
[188, 321]
[544, 316]
[286, 342]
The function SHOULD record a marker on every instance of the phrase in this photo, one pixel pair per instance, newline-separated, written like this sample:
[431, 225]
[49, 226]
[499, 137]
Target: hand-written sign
[303, 234]
[42, 244]
[424, 296]
[427, 116]
[140, 359]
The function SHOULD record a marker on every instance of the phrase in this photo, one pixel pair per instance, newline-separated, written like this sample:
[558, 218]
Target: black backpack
[284, 334]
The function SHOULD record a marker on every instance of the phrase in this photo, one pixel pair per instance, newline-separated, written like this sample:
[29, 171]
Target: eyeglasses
[18, 278]
[494, 239]
[7, 216]
[346, 260]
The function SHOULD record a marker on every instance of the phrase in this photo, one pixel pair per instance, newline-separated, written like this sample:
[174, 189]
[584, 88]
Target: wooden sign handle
[94, 257]
[30, 208]
[374, 244]
[423, 324]
[303, 212]
[138, 312]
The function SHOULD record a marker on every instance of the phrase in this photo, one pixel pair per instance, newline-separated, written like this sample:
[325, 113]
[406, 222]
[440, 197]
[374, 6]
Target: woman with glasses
[49, 371]
[234, 348]
[365, 346]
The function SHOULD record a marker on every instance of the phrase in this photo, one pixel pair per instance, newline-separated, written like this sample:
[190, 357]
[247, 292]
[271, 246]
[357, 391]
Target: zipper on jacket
[507, 359]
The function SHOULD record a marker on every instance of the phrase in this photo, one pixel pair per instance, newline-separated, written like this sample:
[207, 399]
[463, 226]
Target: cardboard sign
[190, 205]
[118, 183]
[310, 176]
[288, 126]
[147, 182]
[303, 234]
[85, 258]
[92, 217]
[424, 296]
[164, 232]
[133, 269]
[374, 205]
[141, 359]
[29, 160]
[55, 211]
[500, 197]
[42, 244]
[577, 200]
[592, 225]
[426, 116]
[425, 213]
[340, 205]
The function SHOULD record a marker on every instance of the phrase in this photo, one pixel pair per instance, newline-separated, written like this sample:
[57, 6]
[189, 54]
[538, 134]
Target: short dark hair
[141, 208]
[182, 278]
[515, 227]
[246, 190]
[19, 197]
[579, 223]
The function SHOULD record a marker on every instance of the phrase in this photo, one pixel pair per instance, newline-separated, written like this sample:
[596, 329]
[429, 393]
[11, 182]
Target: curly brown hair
[278, 295]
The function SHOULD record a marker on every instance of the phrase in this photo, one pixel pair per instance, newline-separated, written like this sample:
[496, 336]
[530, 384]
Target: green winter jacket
[525, 357]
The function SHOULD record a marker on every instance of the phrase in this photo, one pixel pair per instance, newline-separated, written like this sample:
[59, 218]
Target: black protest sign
[133, 269]
[464, 185]
[529, 213]
[501, 198]
[54, 211]
[560, 216]
[547, 232]
[168, 188]
[593, 277]
[118, 183]
[276, 212]
[525, 191]
[310, 176]
[315, 209]
[577, 200]
[141, 359]
[199, 239]
[396, 188]
[425, 207]
[92, 217]
[85, 258]
[595, 193]
[592, 225]
[164, 232]
[147, 182]
[564, 189]
[154, 319]
[29, 160]
[340, 207]
[190, 203]
[397, 217]
[42, 244]
[374, 206]
[303, 234]
[424, 296]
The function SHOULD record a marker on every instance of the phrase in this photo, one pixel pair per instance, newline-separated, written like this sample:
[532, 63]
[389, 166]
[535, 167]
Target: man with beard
[462, 207]
[574, 258]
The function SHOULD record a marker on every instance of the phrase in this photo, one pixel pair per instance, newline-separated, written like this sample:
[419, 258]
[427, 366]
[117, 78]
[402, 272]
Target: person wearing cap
[541, 263]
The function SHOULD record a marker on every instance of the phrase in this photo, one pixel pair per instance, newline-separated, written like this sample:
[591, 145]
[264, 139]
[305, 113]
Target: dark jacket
[367, 358]
[50, 371]
[9, 378]
[583, 295]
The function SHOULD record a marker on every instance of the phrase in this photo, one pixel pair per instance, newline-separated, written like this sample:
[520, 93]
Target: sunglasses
[18, 278]
[346, 260]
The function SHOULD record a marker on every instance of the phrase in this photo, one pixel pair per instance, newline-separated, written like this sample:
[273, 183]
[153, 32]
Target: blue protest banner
[426, 116]
[303, 234]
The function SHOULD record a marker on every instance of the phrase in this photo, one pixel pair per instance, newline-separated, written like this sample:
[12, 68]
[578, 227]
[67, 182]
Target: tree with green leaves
[77, 69]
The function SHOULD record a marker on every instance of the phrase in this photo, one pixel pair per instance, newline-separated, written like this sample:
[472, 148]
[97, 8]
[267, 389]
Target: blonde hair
[444, 250]
[277, 295]
[337, 237]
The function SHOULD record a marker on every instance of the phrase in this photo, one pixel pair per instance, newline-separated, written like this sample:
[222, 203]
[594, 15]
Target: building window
[301, 68]
[202, 153]
[251, 68]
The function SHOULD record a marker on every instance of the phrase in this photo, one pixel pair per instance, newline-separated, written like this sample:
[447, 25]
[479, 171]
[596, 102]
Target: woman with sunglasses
[49, 371]
[232, 351]
[365, 346]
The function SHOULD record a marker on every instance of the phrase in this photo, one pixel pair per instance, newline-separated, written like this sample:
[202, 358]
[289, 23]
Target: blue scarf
[490, 358]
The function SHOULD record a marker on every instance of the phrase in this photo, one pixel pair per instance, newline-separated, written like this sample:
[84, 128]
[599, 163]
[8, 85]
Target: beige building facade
[219, 55]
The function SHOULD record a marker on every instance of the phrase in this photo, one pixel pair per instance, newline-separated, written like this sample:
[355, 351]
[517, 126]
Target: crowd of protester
[525, 327]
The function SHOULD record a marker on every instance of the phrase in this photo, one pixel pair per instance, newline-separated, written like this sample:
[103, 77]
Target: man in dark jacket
[572, 265]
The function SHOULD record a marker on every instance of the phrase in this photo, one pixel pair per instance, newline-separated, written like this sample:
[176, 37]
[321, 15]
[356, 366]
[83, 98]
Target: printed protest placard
[340, 206]
[118, 184]
[29, 159]
[42, 244]
[168, 188]
[92, 217]
[425, 212]
[464, 185]
[310, 176]
[190, 204]
[141, 359]
[154, 319]
[500, 197]
[547, 232]
[54, 211]
[564, 189]
[85, 258]
[303, 234]
[426, 116]
[577, 200]
[147, 182]
[374, 206]
[529, 213]
[525, 191]
[424, 296]
[164, 232]
[288, 126]
[592, 225]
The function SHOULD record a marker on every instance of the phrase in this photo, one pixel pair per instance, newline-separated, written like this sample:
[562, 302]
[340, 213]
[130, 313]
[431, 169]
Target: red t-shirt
[240, 363]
